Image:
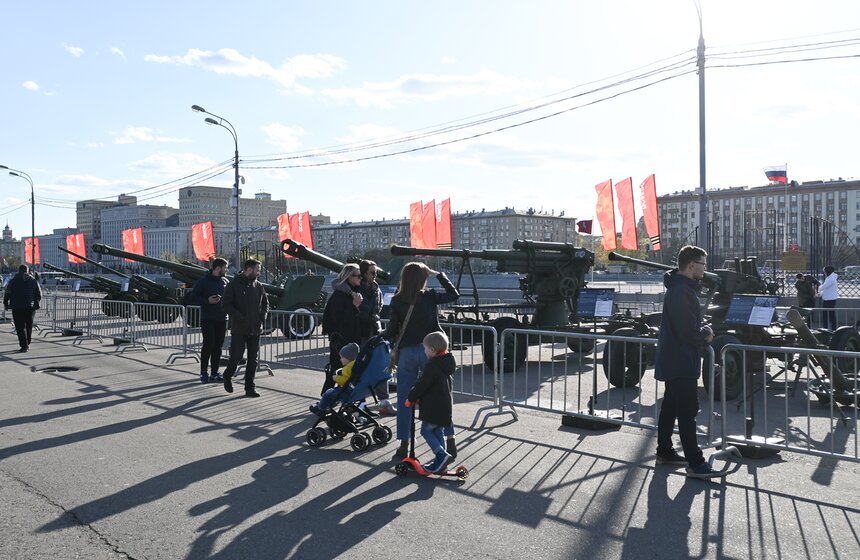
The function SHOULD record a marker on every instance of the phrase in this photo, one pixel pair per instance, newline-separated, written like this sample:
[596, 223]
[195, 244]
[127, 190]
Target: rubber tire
[510, 361]
[380, 437]
[313, 438]
[335, 433]
[299, 327]
[735, 380]
[357, 442]
[462, 473]
[388, 433]
[584, 346]
[845, 339]
[402, 469]
[628, 373]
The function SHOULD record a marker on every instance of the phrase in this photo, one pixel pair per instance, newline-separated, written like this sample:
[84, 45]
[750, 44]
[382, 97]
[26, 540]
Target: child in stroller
[339, 408]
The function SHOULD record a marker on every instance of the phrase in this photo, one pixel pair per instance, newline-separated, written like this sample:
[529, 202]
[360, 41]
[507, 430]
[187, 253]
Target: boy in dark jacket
[682, 337]
[434, 391]
[207, 293]
[23, 295]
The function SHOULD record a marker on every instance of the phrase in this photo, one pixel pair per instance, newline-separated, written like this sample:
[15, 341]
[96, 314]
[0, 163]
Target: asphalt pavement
[122, 456]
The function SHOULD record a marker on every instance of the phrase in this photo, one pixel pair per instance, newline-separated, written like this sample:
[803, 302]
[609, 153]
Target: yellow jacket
[343, 374]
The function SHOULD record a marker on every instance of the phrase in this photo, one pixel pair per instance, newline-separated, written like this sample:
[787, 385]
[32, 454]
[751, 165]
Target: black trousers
[681, 403]
[829, 316]
[23, 319]
[213, 341]
[238, 344]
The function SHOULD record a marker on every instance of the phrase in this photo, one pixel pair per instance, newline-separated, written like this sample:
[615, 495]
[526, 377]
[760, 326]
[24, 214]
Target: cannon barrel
[298, 250]
[613, 256]
[183, 272]
[92, 262]
[557, 246]
[99, 281]
[487, 254]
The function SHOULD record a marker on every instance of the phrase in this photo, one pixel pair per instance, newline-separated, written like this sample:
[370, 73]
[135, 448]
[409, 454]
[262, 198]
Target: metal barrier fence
[788, 421]
[162, 326]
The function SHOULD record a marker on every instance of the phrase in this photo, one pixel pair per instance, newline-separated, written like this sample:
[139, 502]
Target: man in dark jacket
[207, 293]
[679, 351]
[23, 295]
[246, 303]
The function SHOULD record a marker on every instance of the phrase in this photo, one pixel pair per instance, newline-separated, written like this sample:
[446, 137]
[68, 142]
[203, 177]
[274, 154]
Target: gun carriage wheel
[624, 362]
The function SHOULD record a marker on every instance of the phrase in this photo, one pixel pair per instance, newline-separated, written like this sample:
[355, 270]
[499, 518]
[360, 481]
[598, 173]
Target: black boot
[451, 447]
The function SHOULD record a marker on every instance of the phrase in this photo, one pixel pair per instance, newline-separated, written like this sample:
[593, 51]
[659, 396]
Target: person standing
[414, 316]
[681, 338]
[246, 303]
[341, 317]
[23, 295]
[829, 293]
[207, 293]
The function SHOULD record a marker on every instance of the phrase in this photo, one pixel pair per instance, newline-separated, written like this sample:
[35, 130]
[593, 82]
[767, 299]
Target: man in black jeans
[23, 295]
[207, 293]
[679, 351]
[246, 303]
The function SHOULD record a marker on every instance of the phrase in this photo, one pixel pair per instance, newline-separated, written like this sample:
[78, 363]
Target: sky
[356, 109]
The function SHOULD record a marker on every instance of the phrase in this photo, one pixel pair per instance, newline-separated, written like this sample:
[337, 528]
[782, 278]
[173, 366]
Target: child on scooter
[433, 390]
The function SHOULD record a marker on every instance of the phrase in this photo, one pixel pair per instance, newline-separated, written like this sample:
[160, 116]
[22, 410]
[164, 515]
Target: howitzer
[300, 251]
[147, 290]
[301, 293]
[110, 287]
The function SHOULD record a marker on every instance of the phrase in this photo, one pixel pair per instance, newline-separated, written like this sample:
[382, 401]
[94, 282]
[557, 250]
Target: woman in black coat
[341, 318]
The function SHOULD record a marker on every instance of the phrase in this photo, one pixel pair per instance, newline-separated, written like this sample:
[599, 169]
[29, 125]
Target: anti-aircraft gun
[300, 251]
[147, 290]
[723, 288]
[302, 293]
[554, 276]
[111, 287]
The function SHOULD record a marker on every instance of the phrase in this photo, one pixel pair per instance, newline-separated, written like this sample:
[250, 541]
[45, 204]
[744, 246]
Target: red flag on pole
[648, 193]
[606, 214]
[624, 191]
[132, 241]
[584, 226]
[203, 241]
[300, 228]
[75, 242]
[444, 228]
[428, 224]
[416, 215]
[284, 227]
[28, 251]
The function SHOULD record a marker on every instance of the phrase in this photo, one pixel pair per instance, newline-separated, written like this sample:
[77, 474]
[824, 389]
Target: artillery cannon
[719, 289]
[147, 290]
[554, 276]
[300, 251]
[301, 293]
[111, 287]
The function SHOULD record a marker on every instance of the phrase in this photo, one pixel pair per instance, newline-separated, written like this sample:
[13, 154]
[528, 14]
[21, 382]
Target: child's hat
[349, 352]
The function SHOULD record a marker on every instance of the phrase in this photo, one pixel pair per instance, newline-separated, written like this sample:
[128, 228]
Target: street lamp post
[22, 175]
[703, 196]
[235, 198]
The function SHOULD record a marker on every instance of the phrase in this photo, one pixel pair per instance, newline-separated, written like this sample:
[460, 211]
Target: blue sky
[96, 100]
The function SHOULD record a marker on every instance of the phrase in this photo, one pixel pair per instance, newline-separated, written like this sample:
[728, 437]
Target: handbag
[395, 351]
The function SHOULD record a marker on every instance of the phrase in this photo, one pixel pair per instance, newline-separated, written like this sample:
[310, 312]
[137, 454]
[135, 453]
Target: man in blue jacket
[682, 337]
[23, 295]
[207, 293]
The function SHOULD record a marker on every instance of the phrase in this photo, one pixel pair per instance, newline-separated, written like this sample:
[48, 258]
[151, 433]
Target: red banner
[28, 251]
[416, 231]
[132, 241]
[584, 226]
[284, 227]
[300, 228]
[624, 192]
[428, 224]
[606, 214]
[648, 193]
[75, 242]
[203, 241]
[444, 227]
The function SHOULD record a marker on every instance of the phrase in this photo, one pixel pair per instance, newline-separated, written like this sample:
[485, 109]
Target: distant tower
[7, 233]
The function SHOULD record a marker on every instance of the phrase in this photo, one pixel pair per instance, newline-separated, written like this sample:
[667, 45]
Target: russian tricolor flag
[777, 174]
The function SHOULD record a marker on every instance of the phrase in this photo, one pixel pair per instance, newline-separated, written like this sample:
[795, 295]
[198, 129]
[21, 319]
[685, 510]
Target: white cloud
[117, 51]
[31, 85]
[230, 62]
[415, 88]
[95, 145]
[133, 134]
[172, 164]
[283, 136]
[449, 60]
[74, 51]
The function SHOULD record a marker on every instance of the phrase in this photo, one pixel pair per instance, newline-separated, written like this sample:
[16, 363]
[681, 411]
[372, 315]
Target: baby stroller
[345, 417]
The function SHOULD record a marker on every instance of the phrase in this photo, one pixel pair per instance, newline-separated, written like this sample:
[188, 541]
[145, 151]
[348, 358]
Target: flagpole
[785, 224]
[593, 246]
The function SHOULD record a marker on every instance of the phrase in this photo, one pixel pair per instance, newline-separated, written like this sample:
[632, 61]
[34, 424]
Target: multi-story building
[118, 218]
[88, 214]
[49, 247]
[764, 221]
[212, 204]
[11, 250]
[496, 229]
